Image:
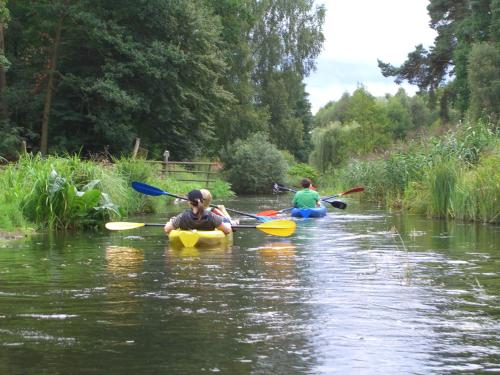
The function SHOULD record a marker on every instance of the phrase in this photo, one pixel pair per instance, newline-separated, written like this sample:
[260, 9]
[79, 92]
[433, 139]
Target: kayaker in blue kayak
[306, 198]
[196, 217]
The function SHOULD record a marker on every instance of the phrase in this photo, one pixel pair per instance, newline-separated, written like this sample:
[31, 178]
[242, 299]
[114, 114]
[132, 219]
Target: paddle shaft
[335, 204]
[281, 187]
[239, 226]
[151, 190]
[327, 198]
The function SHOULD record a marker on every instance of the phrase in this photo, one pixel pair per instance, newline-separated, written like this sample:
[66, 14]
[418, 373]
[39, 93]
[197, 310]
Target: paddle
[154, 191]
[336, 204]
[325, 199]
[281, 228]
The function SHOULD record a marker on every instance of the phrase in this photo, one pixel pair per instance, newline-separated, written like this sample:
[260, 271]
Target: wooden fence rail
[189, 171]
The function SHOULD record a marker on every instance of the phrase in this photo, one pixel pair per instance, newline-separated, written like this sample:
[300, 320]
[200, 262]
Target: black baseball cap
[195, 196]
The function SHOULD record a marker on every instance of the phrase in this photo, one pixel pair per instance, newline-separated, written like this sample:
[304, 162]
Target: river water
[361, 291]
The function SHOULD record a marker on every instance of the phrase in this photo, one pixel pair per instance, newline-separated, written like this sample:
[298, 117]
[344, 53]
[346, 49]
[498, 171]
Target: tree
[253, 165]
[484, 81]
[334, 111]
[458, 24]
[242, 117]
[123, 68]
[285, 40]
[4, 62]
[370, 115]
[398, 114]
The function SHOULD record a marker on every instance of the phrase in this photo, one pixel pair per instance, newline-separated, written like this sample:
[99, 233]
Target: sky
[357, 33]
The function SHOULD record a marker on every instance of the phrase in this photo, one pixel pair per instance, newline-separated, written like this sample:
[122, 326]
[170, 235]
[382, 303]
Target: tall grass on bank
[441, 184]
[455, 175]
[477, 193]
[68, 193]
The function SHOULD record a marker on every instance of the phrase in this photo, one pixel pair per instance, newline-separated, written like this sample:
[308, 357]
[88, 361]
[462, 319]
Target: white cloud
[357, 33]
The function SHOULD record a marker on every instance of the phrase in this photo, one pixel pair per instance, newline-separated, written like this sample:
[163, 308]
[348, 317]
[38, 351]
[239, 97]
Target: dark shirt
[188, 220]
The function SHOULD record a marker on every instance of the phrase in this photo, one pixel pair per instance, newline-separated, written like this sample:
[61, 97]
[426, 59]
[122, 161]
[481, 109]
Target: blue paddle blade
[147, 189]
[263, 219]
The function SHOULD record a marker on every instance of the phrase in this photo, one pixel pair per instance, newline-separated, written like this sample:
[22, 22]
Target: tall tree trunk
[3, 80]
[50, 88]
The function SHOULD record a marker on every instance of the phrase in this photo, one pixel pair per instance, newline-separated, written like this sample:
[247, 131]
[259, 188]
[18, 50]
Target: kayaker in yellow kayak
[306, 198]
[219, 210]
[196, 217]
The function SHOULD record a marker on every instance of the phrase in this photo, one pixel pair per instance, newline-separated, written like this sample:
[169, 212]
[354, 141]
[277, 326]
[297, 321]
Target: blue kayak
[309, 212]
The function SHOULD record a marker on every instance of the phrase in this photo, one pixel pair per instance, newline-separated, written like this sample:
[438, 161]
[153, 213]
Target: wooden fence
[190, 171]
[205, 172]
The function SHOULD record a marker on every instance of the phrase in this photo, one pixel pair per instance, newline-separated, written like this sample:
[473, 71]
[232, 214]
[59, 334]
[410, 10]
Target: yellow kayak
[198, 238]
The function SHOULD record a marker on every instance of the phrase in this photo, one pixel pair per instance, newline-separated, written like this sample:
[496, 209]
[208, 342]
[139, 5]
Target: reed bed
[454, 176]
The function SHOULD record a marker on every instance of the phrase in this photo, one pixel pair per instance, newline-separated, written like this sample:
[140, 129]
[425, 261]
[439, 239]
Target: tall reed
[441, 183]
[455, 175]
[477, 194]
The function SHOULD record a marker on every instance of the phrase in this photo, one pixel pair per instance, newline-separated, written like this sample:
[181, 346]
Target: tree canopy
[190, 76]
[460, 24]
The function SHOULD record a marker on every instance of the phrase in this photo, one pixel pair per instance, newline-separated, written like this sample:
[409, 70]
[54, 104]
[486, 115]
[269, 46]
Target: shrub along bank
[69, 193]
[455, 175]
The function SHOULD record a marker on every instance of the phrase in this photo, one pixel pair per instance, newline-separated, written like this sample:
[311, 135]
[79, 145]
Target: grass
[455, 175]
[70, 193]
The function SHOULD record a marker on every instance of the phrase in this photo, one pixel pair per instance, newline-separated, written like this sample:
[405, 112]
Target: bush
[301, 170]
[253, 165]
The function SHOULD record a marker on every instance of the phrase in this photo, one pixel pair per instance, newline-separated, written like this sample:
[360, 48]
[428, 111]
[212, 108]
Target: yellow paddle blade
[123, 225]
[189, 238]
[282, 228]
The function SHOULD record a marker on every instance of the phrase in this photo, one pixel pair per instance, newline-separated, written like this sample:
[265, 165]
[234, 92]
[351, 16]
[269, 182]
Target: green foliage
[458, 26]
[55, 200]
[441, 181]
[455, 175]
[484, 81]
[68, 193]
[290, 160]
[253, 165]
[477, 193]
[302, 170]
[112, 69]
[190, 77]
[466, 142]
[371, 175]
[135, 169]
[398, 114]
[330, 145]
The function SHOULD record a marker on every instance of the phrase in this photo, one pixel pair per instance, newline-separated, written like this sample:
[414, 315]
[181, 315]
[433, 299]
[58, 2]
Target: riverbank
[11, 235]
[69, 193]
[454, 175]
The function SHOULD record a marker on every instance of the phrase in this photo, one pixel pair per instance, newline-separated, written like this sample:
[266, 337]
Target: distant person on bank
[306, 198]
[196, 217]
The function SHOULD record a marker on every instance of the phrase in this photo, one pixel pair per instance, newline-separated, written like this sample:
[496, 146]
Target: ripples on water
[360, 291]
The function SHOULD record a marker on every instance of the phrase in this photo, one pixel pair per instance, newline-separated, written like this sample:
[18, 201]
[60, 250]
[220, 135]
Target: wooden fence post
[24, 148]
[208, 174]
[164, 167]
[136, 147]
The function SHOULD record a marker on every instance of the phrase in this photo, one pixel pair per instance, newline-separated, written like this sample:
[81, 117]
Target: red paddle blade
[353, 190]
[268, 213]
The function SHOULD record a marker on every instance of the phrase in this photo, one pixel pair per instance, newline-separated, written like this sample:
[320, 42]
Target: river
[361, 291]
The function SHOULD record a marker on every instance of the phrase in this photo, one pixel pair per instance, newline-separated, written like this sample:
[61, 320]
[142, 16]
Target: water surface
[360, 291]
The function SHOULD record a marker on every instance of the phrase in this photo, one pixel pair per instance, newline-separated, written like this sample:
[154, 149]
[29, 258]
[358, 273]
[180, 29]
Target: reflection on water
[278, 258]
[124, 259]
[359, 291]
